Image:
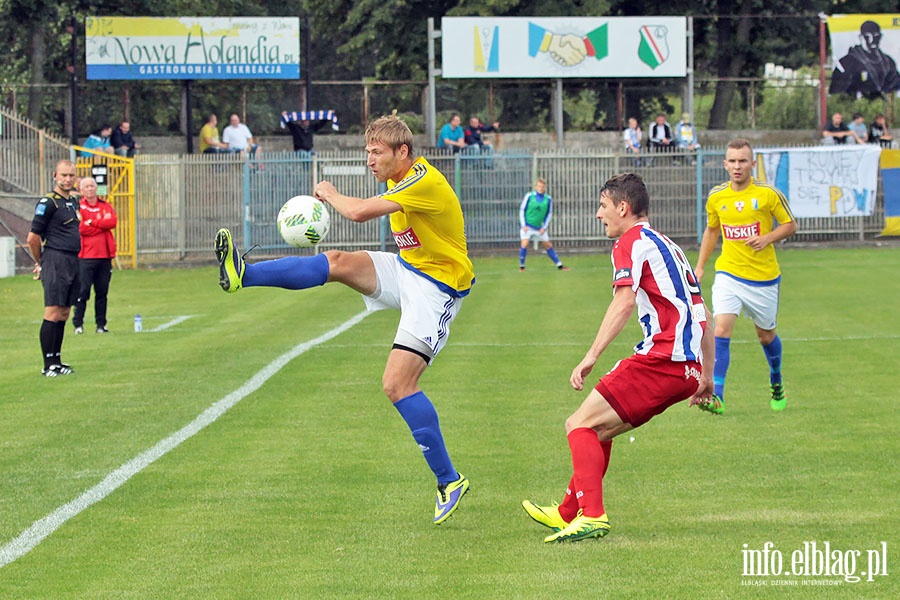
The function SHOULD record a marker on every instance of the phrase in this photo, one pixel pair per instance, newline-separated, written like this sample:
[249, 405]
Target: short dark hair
[630, 188]
[738, 143]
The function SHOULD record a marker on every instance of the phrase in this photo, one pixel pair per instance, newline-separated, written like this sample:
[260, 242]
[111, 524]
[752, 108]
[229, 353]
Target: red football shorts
[640, 387]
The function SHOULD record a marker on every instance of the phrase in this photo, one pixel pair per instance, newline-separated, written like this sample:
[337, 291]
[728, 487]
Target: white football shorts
[533, 235]
[425, 311]
[759, 303]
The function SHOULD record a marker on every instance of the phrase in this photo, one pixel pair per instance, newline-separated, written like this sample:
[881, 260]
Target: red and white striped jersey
[669, 304]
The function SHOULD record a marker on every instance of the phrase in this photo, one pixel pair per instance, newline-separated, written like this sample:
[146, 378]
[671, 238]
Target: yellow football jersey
[741, 215]
[430, 231]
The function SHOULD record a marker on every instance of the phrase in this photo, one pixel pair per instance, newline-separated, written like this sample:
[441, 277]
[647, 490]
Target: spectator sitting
[632, 137]
[452, 135]
[837, 131]
[123, 142]
[238, 137]
[209, 138]
[880, 133]
[859, 130]
[661, 138]
[472, 134]
[686, 134]
[99, 141]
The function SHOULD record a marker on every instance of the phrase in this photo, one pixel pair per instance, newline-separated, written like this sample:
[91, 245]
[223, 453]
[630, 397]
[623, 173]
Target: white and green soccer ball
[303, 221]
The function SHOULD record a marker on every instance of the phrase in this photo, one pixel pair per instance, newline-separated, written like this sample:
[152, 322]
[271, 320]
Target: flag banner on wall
[823, 182]
[865, 51]
[890, 178]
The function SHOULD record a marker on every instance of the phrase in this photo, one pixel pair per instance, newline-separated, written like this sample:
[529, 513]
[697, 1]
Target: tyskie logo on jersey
[406, 239]
[740, 232]
[623, 273]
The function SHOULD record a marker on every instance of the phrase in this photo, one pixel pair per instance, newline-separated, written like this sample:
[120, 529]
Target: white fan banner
[823, 182]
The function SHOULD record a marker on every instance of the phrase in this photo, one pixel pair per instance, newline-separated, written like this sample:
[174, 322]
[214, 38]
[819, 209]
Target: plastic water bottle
[138, 324]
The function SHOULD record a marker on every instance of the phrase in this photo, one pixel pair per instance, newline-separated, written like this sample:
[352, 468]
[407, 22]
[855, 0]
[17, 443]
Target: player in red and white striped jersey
[673, 361]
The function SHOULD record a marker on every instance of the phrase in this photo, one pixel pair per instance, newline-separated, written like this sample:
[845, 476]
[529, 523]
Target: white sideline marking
[42, 528]
[171, 323]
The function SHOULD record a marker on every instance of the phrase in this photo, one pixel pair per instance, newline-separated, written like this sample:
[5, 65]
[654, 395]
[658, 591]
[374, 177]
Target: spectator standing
[472, 134]
[672, 363]
[238, 137]
[534, 218]
[122, 141]
[452, 135]
[661, 137]
[686, 134]
[748, 278]
[302, 131]
[99, 141]
[836, 132]
[880, 133]
[633, 137]
[859, 130]
[98, 249]
[54, 243]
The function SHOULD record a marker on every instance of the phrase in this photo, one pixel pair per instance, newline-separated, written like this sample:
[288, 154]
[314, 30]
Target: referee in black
[55, 242]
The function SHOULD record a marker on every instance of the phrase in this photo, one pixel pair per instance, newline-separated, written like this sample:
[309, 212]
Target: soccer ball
[303, 221]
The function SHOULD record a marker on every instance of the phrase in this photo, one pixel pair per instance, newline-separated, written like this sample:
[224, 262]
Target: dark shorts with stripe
[59, 274]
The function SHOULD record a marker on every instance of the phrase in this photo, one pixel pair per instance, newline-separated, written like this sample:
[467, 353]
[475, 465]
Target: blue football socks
[723, 359]
[773, 355]
[522, 253]
[552, 254]
[422, 419]
[290, 273]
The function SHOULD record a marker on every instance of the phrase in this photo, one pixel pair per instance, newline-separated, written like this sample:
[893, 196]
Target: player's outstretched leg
[231, 264]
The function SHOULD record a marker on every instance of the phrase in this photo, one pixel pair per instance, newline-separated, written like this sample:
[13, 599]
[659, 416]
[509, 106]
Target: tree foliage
[386, 40]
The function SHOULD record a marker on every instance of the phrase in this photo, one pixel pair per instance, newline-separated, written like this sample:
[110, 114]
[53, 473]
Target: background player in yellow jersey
[748, 277]
[427, 281]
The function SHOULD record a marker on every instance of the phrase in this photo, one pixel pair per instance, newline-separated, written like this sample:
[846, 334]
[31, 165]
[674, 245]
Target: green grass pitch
[312, 487]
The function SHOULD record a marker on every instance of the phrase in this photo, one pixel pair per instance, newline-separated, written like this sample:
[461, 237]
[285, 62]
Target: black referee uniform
[56, 222]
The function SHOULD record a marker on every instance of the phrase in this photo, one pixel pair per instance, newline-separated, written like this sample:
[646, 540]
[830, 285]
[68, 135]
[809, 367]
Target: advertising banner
[192, 48]
[553, 47]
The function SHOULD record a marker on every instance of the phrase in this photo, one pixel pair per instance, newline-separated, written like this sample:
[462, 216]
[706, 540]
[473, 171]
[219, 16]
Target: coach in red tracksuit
[98, 248]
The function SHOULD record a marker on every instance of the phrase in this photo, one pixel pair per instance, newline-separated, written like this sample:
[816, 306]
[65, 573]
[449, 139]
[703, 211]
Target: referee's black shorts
[59, 274]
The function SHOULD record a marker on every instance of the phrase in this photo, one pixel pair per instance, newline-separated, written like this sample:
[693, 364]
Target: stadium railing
[181, 200]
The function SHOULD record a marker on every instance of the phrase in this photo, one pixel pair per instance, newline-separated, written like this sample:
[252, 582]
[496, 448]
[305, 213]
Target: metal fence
[28, 155]
[182, 200]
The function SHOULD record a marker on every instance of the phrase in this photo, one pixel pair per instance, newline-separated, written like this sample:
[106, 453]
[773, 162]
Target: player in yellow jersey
[427, 281]
[750, 217]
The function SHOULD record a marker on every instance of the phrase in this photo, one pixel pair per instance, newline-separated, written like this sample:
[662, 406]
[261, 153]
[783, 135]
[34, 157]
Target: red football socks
[590, 459]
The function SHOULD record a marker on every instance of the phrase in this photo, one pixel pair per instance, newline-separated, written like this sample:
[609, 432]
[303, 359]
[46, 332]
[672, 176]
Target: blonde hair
[390, 131]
